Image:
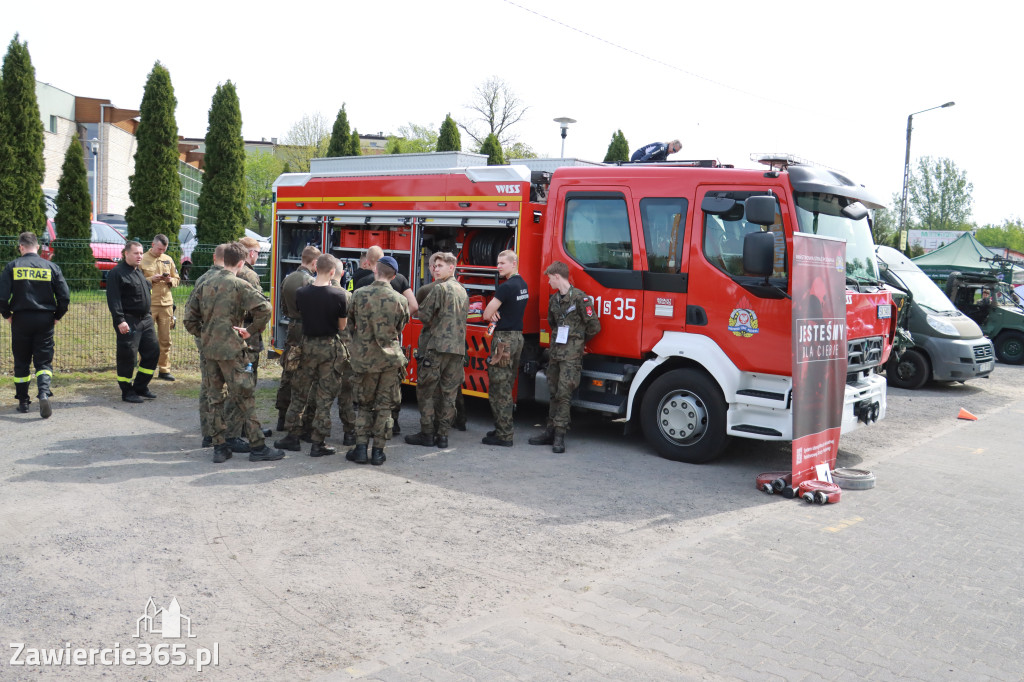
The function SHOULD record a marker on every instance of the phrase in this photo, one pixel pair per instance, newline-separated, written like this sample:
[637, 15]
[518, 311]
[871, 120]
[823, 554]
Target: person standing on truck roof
[440, 352]
[376, 317]
[655, 151]
[572, 321]
[33, 296]
[506, 310]
[364, 276]
[291, 356]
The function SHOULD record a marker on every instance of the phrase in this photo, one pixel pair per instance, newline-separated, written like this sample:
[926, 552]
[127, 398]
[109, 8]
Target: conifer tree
[72, 250]
[155, 188]
[22, 206]
[222, 214]
[618, 148]
[340, 145]
[394, 145]
[492, 148]
[353, 144]
[449, 140]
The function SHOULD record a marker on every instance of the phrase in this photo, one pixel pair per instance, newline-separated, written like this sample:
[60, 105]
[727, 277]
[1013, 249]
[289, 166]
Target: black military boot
[141, 389]
[545, 438]
[207, 441]
[23, 404]
[320, 450]
[349, 438]
[558, 442]
[440, 441]
[221, 454]
[420, 438]
[237, 445]
[45, 409]
[289, 442]
[281, 414]
[265, 454]
[358, 454]
[378, 457]
[21, 394]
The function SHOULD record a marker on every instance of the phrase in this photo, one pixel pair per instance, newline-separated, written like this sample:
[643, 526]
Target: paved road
[605, 563]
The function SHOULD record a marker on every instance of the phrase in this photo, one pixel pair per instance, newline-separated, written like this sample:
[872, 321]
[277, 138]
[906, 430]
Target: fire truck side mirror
[758, 252]
[717, 205]
[761, 210]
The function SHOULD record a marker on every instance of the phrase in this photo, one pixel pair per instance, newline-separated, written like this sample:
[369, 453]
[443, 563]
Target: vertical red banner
[819, 351]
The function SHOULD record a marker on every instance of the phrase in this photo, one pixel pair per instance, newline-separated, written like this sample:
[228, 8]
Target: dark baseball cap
[390, 262]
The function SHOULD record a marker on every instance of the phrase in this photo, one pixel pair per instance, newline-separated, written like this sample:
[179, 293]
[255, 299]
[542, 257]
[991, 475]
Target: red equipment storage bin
[378, 237]
[351, 238]
[401, 238]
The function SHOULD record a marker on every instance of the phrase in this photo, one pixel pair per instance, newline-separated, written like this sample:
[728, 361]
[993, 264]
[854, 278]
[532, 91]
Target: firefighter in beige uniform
[159, 270]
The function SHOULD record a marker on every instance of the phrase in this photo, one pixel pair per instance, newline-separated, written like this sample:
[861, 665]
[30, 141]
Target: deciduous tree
[72, 250]
[308, 138]
[22, 207]
[494, 108]
[940, 196]
[155, 188]
[261, 169]
[413, 139]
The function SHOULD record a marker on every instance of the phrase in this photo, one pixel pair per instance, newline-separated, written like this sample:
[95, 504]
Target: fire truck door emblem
[743, 322]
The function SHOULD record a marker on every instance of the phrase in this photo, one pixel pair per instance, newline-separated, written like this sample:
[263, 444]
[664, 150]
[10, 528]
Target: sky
[829, 82]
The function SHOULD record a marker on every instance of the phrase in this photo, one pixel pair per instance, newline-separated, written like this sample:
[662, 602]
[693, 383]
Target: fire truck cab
[693, 295]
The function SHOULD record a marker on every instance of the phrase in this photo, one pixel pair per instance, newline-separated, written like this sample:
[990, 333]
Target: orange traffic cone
[964, 414]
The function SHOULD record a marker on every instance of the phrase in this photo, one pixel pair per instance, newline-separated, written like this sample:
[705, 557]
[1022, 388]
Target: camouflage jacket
[574, 310]
[443, 315]
[220, 303]
[249, 275]
[292, 283]
[376, 318]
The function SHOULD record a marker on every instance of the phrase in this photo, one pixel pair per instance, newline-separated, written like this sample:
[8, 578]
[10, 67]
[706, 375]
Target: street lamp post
[94, 146]
[904, 246]
[563, 122]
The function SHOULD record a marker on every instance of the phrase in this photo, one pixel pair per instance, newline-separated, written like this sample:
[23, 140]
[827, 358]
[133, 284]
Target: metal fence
[85, 338]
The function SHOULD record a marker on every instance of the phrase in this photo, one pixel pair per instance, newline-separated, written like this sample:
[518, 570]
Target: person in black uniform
[33, 295]
[128, 300]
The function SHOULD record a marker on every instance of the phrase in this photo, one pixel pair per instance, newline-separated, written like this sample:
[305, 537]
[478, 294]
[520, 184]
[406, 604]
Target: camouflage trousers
[376, 393]
[501, 381]
[234, 412]
[563, 380]
[347, 397]
[228, 379]
[438, 381]
[321, 360]
[205, 427]
[284, 390]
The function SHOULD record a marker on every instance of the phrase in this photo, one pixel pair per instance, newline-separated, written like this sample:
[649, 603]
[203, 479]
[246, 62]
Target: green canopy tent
[963, 254]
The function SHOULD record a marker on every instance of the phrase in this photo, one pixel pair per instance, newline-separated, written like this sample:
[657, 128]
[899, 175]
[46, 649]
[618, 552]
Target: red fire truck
[687, 263]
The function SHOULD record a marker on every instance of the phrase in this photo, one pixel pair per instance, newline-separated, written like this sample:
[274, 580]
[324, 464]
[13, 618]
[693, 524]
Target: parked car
[188, 240]
[116, 221]
[107, 245]
[947, 344]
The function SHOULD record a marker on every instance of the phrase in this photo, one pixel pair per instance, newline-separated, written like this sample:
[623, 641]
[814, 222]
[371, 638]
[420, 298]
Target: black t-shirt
[321, 309]
[399, 283]
[513, 296]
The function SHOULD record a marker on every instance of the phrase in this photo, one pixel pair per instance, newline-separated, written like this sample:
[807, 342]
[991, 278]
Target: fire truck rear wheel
[683, 417]
[911, 371]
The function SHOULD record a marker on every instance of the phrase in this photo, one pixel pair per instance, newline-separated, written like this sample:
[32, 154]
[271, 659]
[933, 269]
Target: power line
[641, 55]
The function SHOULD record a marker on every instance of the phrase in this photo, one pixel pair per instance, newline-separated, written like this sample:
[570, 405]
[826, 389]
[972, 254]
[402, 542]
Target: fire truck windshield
[822, 214]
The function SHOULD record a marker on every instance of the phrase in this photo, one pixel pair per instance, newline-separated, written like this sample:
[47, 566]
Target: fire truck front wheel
[683, 417]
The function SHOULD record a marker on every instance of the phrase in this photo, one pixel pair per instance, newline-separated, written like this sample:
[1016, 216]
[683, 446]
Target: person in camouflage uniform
[204, 401]
[346, 385]
[377, 317]
[233, 412]
[324, 311]
[295, 280]
[441, 352]
[573, 321]
[506, 310]
[216, 312]
[460, 398]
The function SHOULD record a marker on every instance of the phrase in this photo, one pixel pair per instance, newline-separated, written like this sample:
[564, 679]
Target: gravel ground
[304, 566]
